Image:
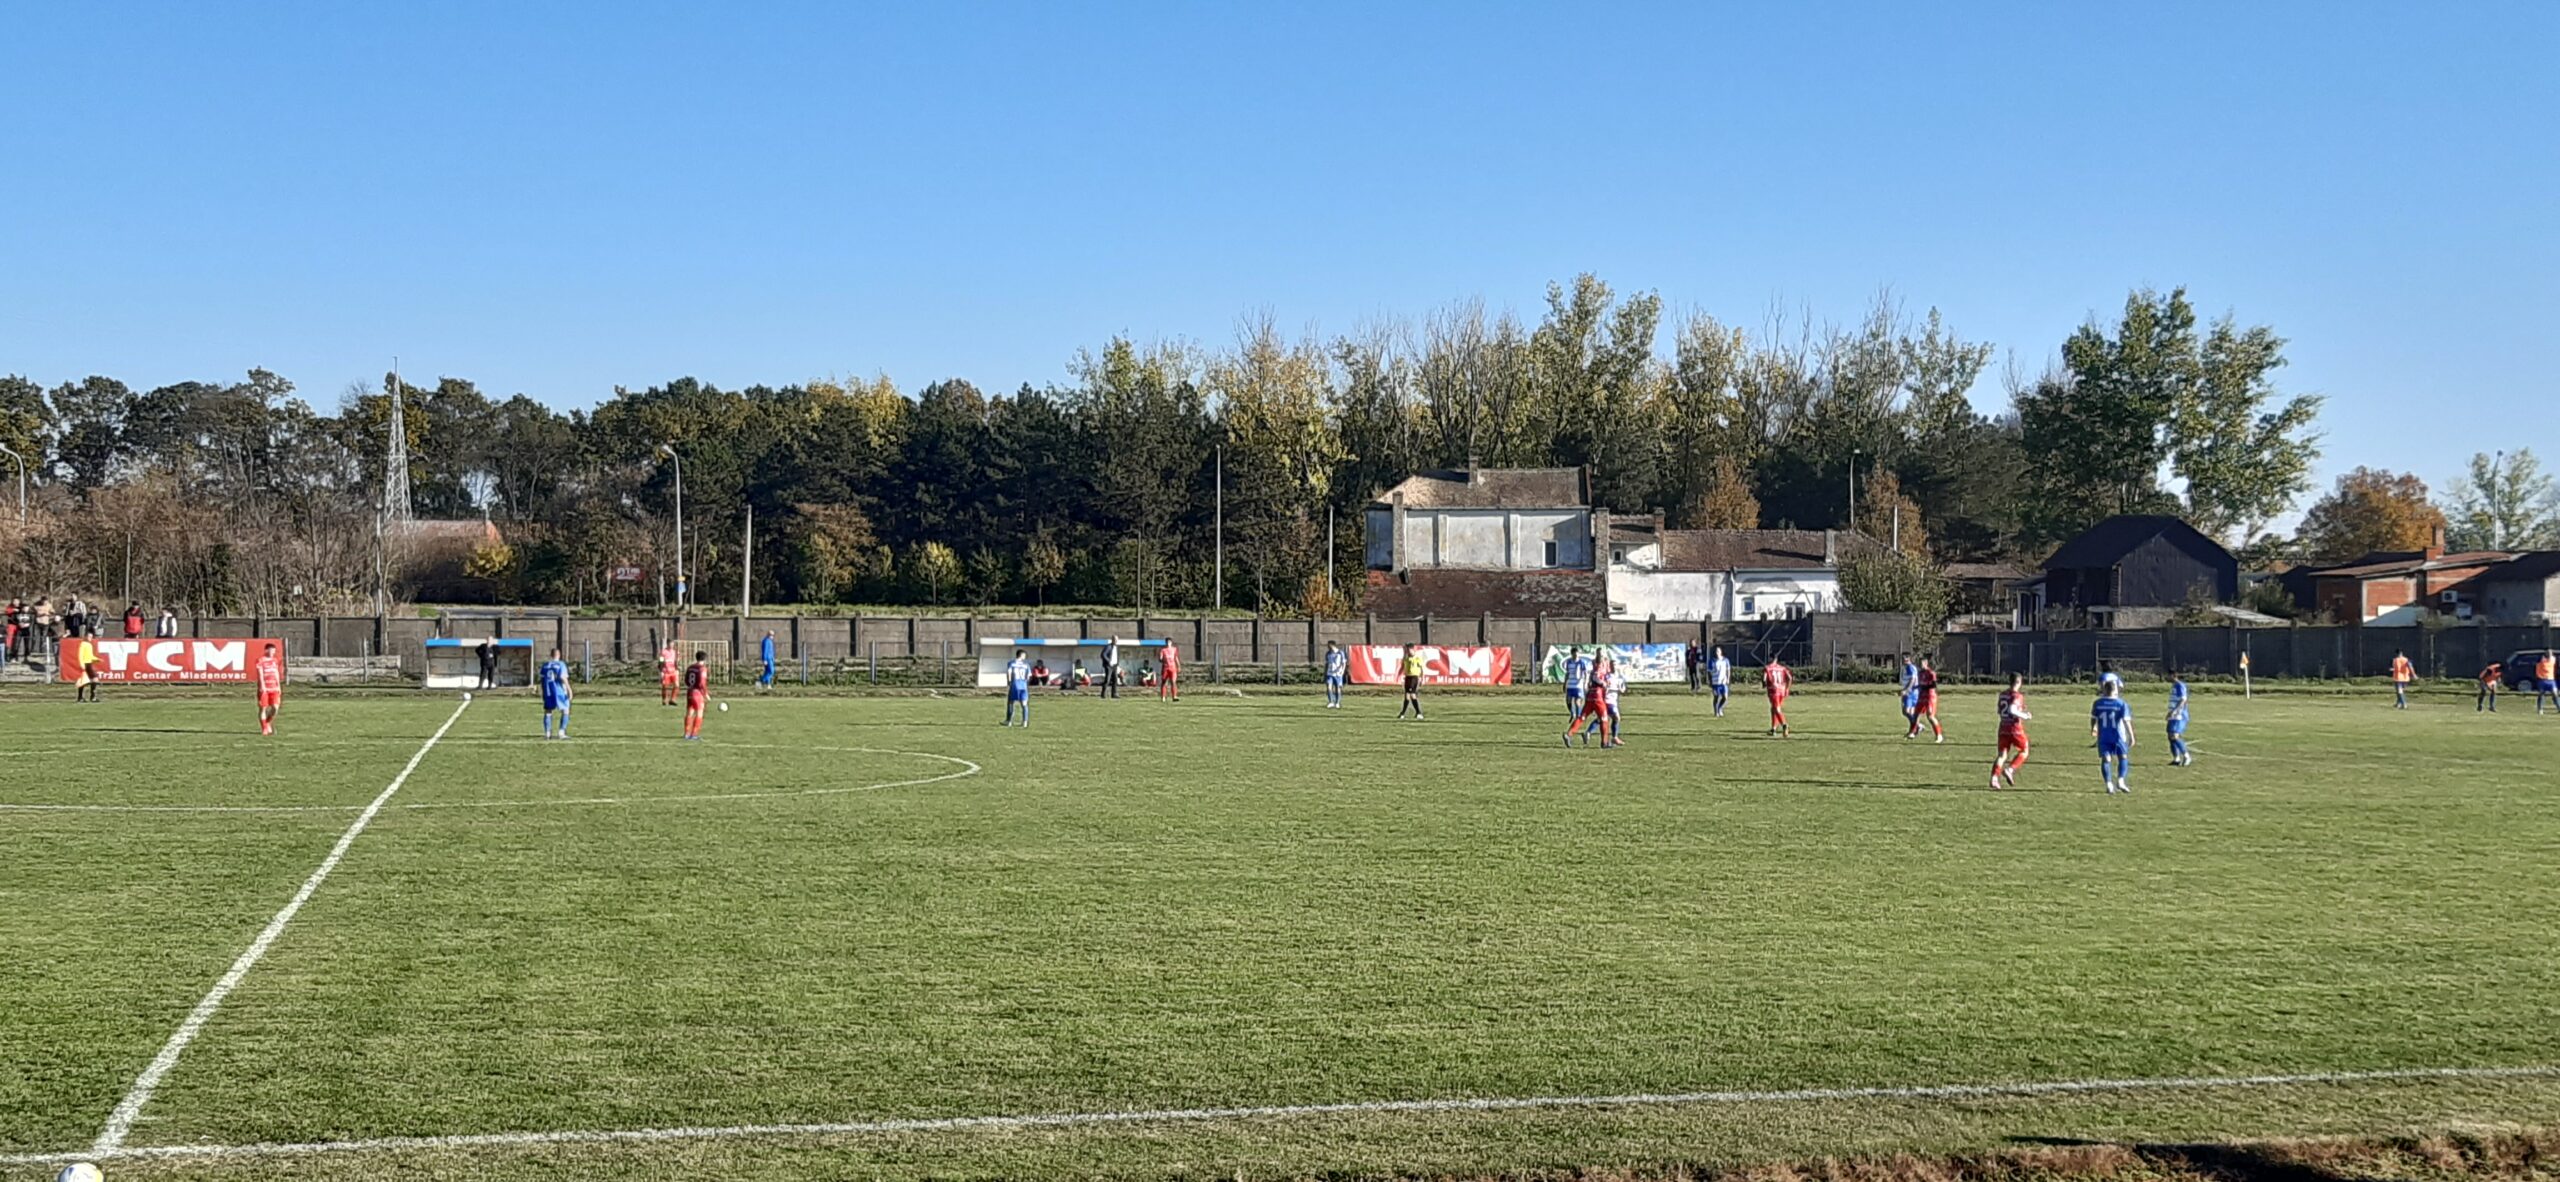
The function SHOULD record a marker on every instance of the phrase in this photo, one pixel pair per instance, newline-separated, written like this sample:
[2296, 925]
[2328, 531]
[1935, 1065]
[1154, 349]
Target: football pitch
[1247, 936]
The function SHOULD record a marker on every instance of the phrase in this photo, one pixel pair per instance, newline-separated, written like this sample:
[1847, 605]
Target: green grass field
[1252, 901]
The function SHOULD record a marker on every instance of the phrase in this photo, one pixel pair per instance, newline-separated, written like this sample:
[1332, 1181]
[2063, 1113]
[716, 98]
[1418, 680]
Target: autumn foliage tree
[2371, 509]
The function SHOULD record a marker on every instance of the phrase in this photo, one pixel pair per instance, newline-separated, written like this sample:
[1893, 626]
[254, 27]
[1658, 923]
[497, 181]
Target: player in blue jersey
[2111, 724]
[766, 651]
[1910, 682]
[554, 679]
[1337, 668]
[1017, 688]
[1577, 681]
[1720, 677]
[2179, 756]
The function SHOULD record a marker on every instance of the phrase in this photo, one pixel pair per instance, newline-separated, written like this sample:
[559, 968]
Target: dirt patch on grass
[2530, 1155]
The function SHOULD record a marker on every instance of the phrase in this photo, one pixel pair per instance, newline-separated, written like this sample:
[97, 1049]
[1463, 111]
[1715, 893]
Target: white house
[1724, 574]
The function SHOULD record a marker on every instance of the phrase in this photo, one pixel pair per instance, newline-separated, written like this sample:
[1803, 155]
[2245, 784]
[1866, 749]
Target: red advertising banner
[1383, 664]
[171, 660]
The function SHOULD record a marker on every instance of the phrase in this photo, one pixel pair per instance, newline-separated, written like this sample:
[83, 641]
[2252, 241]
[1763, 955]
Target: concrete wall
[2515, 601]
[1484, 539]
[1640, 594]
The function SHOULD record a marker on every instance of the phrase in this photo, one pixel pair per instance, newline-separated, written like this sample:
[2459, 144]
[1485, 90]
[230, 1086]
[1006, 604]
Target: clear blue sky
[557, 198]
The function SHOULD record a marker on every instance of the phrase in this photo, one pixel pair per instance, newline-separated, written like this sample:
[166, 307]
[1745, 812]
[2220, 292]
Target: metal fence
[942, 651]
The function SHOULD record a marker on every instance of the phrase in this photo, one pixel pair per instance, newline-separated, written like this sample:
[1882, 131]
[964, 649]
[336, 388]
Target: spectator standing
[168, 629]
[488, 664]
[11, 621]
[133, 621]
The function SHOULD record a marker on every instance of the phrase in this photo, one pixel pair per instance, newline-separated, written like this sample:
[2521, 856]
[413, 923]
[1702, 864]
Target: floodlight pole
[669, 450]
[6, 450]
[1853, 488]
[1218, 583]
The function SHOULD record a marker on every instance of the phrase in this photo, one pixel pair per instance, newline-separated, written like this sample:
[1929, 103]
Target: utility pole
[669, 450]
[747, 568]
[1218, 595]
[1329, 589]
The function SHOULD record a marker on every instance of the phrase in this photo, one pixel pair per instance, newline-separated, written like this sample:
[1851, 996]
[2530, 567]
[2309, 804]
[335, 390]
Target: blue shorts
[2107, 750]
[1334, 679]
[2177, 726]
[1017, 693]
[551, 702]
[2546, 687]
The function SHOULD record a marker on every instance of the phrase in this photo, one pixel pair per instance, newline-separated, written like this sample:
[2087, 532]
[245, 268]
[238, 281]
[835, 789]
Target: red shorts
[270, 699]
[666, 677]
[695, 699]
[1777, 700]
[1928, 701]
[2013, 739]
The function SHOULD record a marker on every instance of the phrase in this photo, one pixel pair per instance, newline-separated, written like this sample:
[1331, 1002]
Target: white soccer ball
[466, 695]
[724, 707]
[79, 1171]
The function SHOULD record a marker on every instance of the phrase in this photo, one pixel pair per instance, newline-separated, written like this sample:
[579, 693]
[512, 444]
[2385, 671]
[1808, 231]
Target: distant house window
[1750, 605]
[1551, 555]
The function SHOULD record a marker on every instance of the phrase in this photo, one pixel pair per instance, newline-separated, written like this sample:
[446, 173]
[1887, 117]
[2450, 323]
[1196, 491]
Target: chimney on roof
[1831, 547]
[2435, 543]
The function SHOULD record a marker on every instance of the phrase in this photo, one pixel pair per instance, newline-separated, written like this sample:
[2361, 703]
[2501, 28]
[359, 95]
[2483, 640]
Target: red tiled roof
[1755, 549]
[1491, 488]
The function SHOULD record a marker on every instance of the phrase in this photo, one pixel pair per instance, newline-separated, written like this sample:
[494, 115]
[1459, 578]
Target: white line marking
[120, 1122]
[967, 769]
[1275, 1112]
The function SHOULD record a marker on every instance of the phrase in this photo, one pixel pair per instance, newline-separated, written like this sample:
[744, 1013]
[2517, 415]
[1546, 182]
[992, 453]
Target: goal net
[456, 663]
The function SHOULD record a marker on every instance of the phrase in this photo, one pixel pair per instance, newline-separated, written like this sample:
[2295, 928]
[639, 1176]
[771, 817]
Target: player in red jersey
[1169, 678]
[1595, 708]
[1927, 708]
[2013, 733]
[667, 674]
[697, 694]
[1776, 678]
[270, 690]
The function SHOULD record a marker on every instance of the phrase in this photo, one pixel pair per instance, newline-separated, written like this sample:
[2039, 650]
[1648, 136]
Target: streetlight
[669, 450]
[5, 450]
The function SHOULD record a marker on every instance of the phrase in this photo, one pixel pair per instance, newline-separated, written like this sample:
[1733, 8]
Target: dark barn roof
[2540, 564]
[2107, 543]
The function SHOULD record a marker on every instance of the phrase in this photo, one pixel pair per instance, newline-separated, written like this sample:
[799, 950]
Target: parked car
[2518, 671]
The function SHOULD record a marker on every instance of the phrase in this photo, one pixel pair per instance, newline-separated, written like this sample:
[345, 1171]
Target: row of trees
[1104, 488]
